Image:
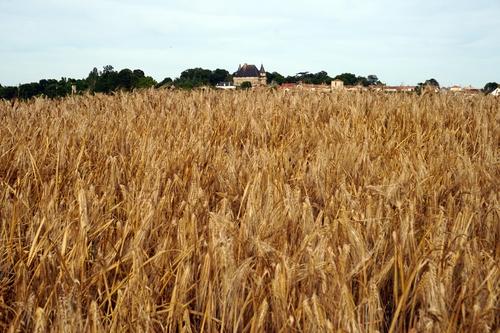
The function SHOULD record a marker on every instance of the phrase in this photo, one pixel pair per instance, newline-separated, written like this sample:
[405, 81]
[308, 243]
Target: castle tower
[250, 73]
[262, 75]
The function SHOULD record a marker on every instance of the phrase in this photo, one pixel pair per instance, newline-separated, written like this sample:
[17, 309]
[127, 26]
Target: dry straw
[250, 211]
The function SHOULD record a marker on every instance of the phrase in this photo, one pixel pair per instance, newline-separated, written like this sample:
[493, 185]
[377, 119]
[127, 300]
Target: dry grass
[250, 211]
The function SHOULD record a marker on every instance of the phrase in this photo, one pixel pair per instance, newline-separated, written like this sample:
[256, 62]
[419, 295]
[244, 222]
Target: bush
[246, 85]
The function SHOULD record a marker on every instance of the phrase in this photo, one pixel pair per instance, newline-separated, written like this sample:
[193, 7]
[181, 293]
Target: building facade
[456, 88]
[225, 86]
[250, 73]
[337, 85]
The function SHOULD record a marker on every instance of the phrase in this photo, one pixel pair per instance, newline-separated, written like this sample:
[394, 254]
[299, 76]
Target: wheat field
[250, 211]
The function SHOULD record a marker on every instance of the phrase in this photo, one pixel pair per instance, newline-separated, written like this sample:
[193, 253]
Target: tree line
[322, 77]
[106, 80]
[109, 80]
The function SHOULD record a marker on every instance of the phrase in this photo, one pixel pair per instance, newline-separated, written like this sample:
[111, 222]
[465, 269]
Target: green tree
[304, 77]
[219, 75]
[29, 90]
[107, 69]
[9, 92]
[92, 79]
[291, 79]
[321, 78]
[275, 78]
[348, 79]
[49, 87]
[140, 80]
[125, 79]
[430, 83]
[314, 78]
[81, 85]
[165, 82]
[138, 73]
[145, 82]
[490, 87]
[373, 80]
[108, 81]
[361, 80]
[63, 87]
[246, 85]
[193, 77]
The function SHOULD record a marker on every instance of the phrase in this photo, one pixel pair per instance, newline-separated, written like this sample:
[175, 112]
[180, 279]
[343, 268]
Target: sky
[402, 42]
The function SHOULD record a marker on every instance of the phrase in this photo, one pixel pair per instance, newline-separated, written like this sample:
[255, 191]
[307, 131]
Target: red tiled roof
[288, 85]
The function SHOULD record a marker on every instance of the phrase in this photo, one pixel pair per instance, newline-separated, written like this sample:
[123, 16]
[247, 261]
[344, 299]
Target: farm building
[225, 86]
[456, 88]
[337, 85]
[305, 87]
[399, 88]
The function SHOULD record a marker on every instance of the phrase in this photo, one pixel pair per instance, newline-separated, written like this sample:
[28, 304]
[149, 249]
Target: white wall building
[225, 86]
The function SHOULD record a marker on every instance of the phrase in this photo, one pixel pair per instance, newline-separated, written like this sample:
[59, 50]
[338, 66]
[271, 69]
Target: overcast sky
[454, 41]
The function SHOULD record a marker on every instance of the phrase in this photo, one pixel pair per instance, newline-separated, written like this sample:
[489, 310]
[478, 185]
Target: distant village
[250, 76]
[247, 76]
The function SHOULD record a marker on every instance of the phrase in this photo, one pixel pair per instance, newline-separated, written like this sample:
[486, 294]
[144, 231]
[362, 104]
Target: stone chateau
[250, 73]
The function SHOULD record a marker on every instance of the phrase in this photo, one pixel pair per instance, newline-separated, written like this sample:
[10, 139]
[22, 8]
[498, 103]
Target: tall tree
[361, 80]
[138, 73]
[219, 75]
[291, 79]
[107, 81]
[63, 87]
[125, 79]
[193, 77]
[29, 90]
[432, 83]
[490, 87]
[9, 92]
[165, 82]
[107, 69]
[314, 78]
[349, 79]
[373, 80]
[92, 79]
[275, 78]
[49, 87]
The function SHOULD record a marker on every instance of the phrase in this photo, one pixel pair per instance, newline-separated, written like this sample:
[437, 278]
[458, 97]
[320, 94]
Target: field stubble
[250, 211]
